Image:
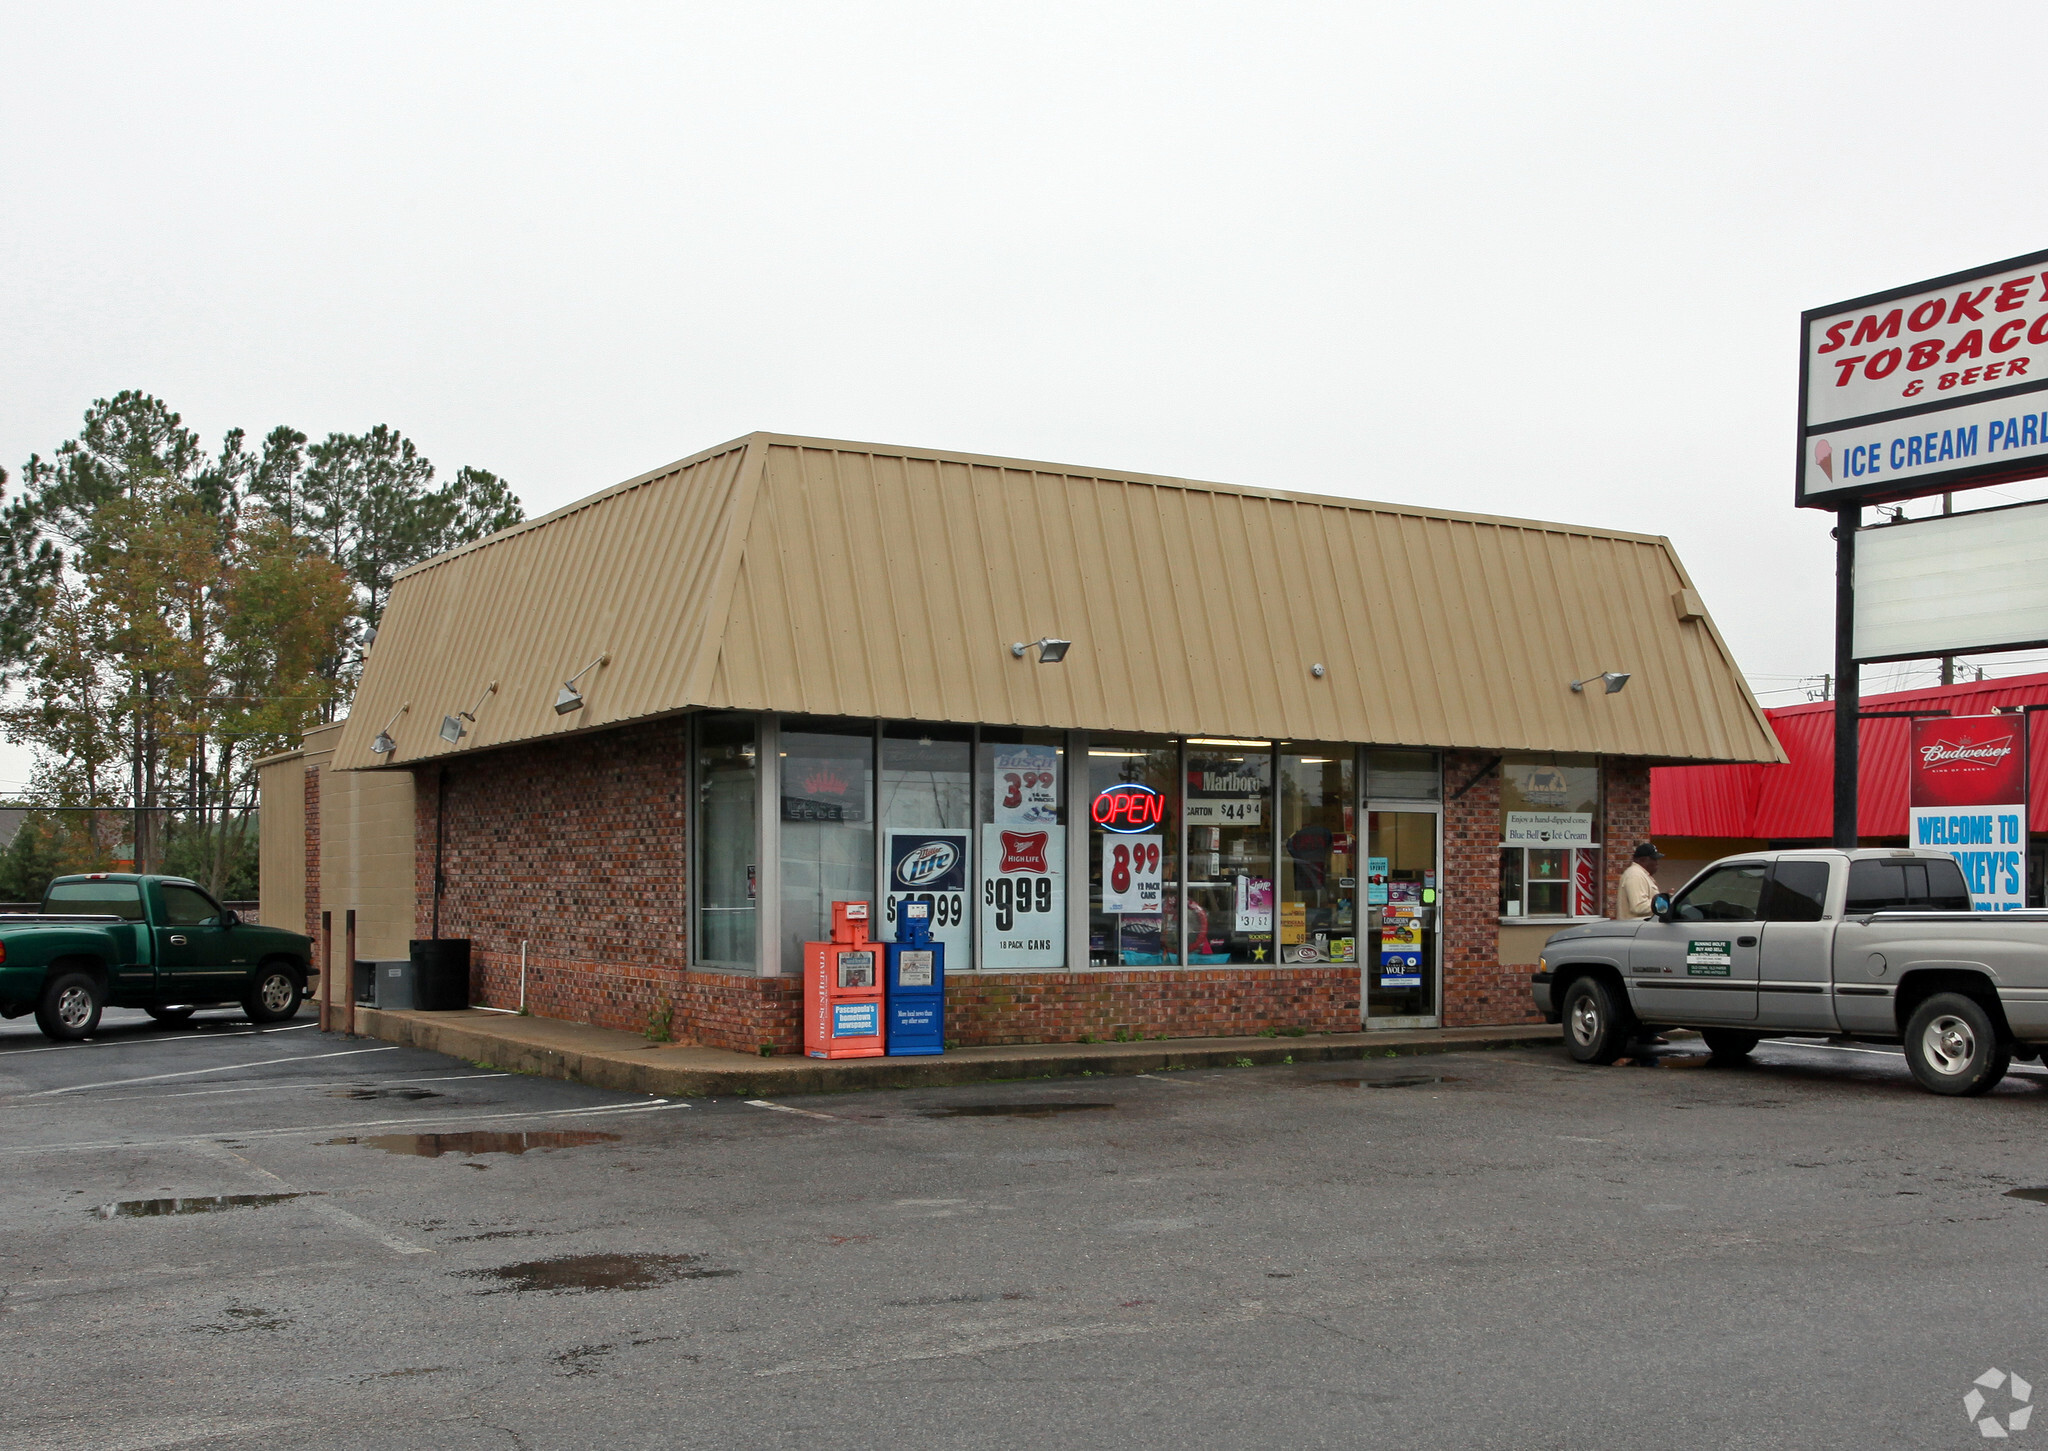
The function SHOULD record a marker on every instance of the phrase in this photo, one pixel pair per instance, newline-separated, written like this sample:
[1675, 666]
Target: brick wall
[574, 847]
[1477, 989]
[1625, 794]
[1058, 1007]
[313, 858]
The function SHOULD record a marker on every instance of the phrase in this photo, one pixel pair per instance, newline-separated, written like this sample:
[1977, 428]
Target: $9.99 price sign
[1132, 876]
[1023, 898]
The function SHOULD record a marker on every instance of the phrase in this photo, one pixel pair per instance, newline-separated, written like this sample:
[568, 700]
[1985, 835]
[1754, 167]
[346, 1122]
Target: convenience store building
[1169, 758]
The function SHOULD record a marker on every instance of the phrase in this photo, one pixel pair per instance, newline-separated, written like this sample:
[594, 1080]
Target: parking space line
[423, 1121]
[319, 1206]
[275, 1083]
[785, 1108]
[160, 1042]
[195, 1072]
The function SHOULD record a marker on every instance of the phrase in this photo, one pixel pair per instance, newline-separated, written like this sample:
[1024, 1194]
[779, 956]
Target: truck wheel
[275, 996]
[1953, 1046]
[171, 1017]
[1728, 1045]
[69, 1008]
[1594, 1030]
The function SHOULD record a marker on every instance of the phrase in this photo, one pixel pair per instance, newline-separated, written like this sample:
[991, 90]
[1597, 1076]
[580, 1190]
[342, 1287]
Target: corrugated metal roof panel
[812, 576]
[1795, 801]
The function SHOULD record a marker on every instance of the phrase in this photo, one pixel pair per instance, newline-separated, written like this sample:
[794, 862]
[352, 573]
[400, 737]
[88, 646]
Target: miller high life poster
[1969, 799]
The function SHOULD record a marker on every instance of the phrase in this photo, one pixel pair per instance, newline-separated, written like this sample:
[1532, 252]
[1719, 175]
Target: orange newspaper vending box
[843, 989]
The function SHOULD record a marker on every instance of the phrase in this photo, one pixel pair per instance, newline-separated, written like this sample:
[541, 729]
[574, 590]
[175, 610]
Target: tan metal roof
[830, 578]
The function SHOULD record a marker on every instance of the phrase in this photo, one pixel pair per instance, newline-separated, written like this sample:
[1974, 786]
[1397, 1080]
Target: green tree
[173, 614]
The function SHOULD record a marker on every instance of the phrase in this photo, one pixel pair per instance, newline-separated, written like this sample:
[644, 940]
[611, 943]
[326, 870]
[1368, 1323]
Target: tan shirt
[1638, 891]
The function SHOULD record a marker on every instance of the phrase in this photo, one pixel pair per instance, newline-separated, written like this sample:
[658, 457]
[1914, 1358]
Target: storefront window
[1403, 776]
[1550, 836]
[828, 826]
[726, 879]
[927, 847]
[1319, 854]
[1229, 811]
[1022, 904]
[1134, 851]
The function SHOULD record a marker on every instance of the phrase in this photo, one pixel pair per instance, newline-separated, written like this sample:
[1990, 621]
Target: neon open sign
[1128, 807]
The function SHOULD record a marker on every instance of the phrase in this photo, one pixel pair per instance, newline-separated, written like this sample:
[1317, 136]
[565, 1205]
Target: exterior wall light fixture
[1614, 679]
[569, 697]
[1050, 651]
[383, 745]
[451, 725]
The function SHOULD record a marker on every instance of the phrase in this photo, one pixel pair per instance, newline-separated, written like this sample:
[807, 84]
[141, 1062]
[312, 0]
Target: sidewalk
[605, 1058]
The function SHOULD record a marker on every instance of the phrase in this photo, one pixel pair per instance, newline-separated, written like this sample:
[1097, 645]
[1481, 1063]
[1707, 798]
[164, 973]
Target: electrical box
[916, 984]
[843, 989]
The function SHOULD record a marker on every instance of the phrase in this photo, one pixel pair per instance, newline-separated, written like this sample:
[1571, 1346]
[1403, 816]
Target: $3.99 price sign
[1027, 786]
[1132, 875]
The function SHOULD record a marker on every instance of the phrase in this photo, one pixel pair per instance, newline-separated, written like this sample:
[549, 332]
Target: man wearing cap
[1638, 887]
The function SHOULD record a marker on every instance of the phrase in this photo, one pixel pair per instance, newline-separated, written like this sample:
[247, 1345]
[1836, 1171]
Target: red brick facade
[1063, 1007]
[1477, 989]
[577, 848]
[313, 857]
[1625, 795]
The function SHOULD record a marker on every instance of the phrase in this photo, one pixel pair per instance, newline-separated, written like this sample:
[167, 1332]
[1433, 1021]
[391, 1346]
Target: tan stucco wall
[281, 842]
[366, 858]
[1521, 946]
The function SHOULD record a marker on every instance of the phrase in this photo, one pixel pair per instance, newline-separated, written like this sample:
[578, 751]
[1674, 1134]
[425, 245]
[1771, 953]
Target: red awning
[1795, 801]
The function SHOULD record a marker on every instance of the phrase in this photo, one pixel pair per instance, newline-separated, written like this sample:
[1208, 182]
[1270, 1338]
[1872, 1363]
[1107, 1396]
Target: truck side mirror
[1660, 907]
[229, 917]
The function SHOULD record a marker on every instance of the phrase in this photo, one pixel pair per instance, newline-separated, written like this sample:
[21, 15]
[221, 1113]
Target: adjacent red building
[1698, 813]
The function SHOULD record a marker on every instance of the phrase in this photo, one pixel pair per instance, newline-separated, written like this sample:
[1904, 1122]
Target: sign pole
[1848, 688]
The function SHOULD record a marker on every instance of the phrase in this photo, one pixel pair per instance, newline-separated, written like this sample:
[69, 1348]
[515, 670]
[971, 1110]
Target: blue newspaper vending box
[916, 984]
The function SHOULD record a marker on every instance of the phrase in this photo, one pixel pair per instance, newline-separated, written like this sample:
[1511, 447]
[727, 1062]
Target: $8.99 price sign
[1132, 877]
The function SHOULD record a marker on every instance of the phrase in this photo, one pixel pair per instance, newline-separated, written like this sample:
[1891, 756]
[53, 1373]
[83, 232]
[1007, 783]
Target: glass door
[1403, 917]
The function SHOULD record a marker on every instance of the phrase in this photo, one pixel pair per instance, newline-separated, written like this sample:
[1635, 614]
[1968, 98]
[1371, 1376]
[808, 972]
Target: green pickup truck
[115, 939]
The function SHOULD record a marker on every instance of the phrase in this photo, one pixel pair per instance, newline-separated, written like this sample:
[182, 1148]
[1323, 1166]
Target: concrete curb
[548, 1050]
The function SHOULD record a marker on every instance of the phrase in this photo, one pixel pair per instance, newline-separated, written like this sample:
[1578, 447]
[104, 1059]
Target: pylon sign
[1924, 389]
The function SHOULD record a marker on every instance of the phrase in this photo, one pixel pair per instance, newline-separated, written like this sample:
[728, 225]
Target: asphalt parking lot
[225, 1238]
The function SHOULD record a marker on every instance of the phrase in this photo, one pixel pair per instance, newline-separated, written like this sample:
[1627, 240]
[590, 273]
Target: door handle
[1739, 942]
[177, 939]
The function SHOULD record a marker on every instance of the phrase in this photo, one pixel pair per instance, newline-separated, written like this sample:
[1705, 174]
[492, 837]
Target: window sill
[1547, 921]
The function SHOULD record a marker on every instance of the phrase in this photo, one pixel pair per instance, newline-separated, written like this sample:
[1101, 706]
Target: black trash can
[441, 973]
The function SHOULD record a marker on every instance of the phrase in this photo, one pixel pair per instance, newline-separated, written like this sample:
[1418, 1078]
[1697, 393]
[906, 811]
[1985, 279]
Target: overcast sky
[1534, 260]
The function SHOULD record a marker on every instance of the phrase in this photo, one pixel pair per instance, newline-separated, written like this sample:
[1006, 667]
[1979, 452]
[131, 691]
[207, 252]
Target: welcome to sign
[1969, 798]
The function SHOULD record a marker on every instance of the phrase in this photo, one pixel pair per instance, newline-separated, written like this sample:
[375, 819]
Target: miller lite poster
[1023, 897]
[1969, 799]
[922, 865]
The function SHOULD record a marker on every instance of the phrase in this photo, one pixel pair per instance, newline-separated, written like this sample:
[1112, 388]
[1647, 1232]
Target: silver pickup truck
[1879, 946]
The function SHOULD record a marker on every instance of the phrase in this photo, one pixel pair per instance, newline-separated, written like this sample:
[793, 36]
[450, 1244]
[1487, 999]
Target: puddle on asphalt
[578, 1274]
[2039, 1193]
[1013, 1110]
[1412, 1081]
[480, 1141]
[196, 1204]
[413, 1094]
